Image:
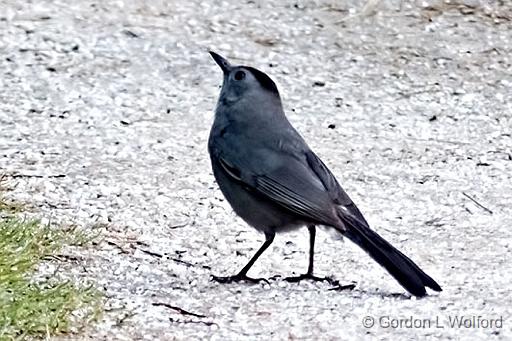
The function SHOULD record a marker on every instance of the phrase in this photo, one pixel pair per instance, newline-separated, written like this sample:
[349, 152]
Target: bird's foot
[238, 278]
[342, 287]
[308, 276]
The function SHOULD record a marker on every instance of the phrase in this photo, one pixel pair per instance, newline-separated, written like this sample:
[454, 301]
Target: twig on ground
[477, 203]
[151, 253]
[14, 176]
[176, 226]
[177, 260]
[178, 309]
[208, 323]
[111, 243]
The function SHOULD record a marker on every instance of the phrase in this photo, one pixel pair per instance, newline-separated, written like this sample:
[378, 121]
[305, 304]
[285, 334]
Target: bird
[276, 183]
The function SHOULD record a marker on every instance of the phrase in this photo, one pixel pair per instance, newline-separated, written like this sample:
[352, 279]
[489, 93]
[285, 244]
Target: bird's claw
[342, 287]
[308, 276]
[238, 278]
[311, 277]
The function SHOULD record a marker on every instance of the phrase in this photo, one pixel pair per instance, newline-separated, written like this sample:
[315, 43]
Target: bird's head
[244, 83]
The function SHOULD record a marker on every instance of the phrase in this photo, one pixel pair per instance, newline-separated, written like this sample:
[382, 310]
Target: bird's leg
[312, 235]
[242, 275]
[309, 275]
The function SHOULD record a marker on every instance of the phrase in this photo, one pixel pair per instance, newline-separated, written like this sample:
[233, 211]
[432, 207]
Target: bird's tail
[405, 271]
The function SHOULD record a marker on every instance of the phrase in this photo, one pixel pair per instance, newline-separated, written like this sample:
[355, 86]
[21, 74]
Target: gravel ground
[105, 109]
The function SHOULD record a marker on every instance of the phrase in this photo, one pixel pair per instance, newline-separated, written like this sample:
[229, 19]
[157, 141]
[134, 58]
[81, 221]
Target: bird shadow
[338, 286]
[335, 285]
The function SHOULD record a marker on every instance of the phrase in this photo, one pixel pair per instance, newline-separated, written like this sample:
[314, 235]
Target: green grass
[7, 205]
[33, 306]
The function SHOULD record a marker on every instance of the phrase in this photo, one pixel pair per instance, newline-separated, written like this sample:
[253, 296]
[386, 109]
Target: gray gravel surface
[105, 108]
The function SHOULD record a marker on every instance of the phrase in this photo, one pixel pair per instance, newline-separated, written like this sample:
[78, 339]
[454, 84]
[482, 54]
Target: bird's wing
[287, 172]
[290, 184]
[332, 186]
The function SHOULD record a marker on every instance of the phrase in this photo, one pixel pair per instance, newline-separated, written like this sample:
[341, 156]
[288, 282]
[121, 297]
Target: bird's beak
[222, 62]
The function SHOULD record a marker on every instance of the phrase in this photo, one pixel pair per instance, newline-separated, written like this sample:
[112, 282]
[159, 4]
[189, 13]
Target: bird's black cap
[265, 81]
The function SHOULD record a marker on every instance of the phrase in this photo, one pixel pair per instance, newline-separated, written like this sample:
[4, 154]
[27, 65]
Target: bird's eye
[239, 75]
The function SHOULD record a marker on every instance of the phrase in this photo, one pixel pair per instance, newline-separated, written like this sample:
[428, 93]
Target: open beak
[221, 61]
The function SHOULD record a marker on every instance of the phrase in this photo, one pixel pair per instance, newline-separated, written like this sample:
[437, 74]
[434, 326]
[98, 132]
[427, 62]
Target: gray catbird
[275, 182]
